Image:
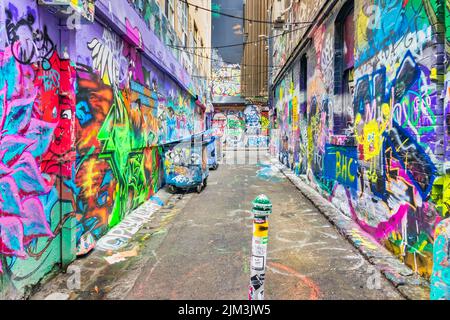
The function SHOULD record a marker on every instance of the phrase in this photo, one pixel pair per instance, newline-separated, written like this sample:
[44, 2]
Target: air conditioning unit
[279, 23]
[287, 27]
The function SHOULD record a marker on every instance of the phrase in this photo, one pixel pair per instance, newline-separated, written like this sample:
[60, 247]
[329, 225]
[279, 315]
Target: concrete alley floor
[199, 247]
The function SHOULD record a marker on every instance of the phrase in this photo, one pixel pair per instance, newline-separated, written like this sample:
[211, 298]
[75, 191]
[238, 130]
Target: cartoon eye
[54, 112]
[66, 114]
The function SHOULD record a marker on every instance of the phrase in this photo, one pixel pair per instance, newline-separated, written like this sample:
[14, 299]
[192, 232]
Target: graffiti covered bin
[186, 163]
[211, 147]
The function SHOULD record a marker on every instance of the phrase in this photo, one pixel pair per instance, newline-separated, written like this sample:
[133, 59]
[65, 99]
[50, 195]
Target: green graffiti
[117, 136]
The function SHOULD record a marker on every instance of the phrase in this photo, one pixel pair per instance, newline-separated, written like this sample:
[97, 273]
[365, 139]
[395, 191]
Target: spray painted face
[63, 132]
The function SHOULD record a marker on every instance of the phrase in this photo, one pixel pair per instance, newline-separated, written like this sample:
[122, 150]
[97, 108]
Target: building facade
[182, 27]
[225, 78]
[238, 122]
[255, 67]
[89, 94]
[360, 110]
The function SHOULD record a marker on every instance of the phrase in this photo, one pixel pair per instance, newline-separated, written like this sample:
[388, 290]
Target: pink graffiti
[384, 228]
[130, 51]
[133, 34]
[61, 113]
[24, 139]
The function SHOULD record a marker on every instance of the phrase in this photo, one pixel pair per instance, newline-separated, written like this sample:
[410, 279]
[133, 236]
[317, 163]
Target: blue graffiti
[341, 165]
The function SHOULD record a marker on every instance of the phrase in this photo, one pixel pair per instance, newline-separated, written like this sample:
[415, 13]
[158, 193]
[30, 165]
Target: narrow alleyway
[205, 253]
[197, 247]
[339, 116]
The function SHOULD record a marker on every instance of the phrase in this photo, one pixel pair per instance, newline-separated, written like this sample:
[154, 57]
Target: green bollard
[262, 208]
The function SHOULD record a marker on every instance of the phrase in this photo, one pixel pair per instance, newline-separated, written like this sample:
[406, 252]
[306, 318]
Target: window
[200, 66]
[344, 49]
[303, 84]
[170, 12]
[196, 52]
[157, 26]
[349, 54]
[183, 15]
[183, 20]
[195, 32]
[344, 68]
[139, 5]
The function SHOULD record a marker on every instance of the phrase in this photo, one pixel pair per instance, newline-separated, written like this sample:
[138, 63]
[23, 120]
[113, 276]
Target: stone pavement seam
[409, 285]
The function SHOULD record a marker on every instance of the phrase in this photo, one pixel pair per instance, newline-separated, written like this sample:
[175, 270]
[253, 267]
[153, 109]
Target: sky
[226, 30]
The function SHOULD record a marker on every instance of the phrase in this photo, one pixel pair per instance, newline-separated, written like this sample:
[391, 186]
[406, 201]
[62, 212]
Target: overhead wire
[227, 77]
[229, 63]
[240, 44]
[242, 18]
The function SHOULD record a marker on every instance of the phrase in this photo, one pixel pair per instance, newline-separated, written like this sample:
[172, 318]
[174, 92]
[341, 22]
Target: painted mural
[226, 80]
[374, 146]
[83, 116]
[255, 136]
[440, 279]
[37, 107]
[235, 129]
[150, 17]
[126, 109]
[247, 128]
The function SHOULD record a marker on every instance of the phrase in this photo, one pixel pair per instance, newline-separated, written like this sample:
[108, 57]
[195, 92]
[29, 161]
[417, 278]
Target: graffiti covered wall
[299, 14]
[440, 280]
[37, 107]
[226, 80]
[83, 113]
[366, 128]
[124, 112]
[246, 128]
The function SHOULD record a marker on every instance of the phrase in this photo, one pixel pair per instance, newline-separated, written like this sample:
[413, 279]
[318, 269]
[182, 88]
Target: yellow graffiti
[440, 194]
[292, 89]
[85, 142]
[440, 229]
[372, 175]
[294, 113]
[310, 146]
[88, 185]
[372, 133]
[372, 140]
[361, 28]
[343, 167]
[360, 240]
[265, 123]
